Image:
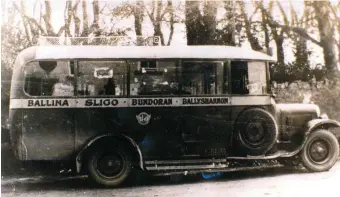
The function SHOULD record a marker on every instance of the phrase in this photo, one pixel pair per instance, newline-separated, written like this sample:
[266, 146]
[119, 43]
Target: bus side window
[153, 78]
[239, 80]
[101, 78]
[48, 78]
[204, 78]
[248, 77]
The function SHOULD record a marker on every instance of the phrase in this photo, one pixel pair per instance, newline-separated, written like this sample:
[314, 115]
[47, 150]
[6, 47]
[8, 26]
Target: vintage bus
[162, 109]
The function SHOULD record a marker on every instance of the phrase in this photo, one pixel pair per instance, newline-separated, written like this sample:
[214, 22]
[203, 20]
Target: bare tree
[139, 16]
[326, 33]
[157, 16]
[252, 38]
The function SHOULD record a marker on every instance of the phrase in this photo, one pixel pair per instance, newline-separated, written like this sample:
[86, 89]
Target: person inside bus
[64, 87]
[147, 84]
[134, 86]
[109, 88]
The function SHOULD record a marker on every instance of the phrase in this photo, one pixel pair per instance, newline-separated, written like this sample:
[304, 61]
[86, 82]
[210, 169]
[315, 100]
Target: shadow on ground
[43, 180]
[140, 179]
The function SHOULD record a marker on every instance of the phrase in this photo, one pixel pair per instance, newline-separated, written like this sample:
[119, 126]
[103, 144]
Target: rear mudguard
[79, 158]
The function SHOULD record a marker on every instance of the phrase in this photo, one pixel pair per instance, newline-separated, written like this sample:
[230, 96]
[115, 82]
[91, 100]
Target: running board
[188, 167]
[185, 164]
[156, 162]
[210, 164]
[187, 172]
[264, 157]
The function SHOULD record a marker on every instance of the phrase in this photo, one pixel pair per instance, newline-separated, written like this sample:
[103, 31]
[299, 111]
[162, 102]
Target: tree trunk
[193, 23]
[265, 30]
[25, 23]
[68, 18]
[95, 23]
[172, 22]
[209, 22]
[157, 23]
[47, 18]
[302, 60]
[326, 31]
[138, 15]
[254, 42]
[76, 19]
[85, 19]
[280, 51]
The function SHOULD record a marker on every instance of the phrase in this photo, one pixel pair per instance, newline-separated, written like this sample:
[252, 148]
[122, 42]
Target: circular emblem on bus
[143, 118]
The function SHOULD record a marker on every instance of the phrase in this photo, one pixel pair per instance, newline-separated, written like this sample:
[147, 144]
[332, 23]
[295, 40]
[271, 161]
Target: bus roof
[145, 52]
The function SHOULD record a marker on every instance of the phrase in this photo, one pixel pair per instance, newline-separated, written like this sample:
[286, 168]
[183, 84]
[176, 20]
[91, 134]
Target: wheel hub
[319, 151]
[110, 165]
[255, 134]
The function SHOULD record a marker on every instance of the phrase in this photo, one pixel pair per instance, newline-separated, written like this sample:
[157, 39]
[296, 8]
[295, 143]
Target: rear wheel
[320, 151]
[109, 166]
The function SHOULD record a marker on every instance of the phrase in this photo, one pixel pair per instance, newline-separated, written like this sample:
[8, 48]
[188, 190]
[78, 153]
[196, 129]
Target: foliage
[296, 71]
[325, 95]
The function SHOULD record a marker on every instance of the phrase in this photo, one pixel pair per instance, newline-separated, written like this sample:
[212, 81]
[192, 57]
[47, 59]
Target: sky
[179, 34]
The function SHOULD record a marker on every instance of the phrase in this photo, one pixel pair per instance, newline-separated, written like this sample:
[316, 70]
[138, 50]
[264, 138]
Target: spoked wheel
[320, 152]
[109, 166]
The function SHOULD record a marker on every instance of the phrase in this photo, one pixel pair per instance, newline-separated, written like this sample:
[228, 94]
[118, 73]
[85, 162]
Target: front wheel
[109, 166]
[320, 151]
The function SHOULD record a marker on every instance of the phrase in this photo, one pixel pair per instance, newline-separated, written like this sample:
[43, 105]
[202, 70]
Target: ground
[278, 182]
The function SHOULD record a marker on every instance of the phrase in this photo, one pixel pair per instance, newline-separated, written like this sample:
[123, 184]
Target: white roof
[148, 52]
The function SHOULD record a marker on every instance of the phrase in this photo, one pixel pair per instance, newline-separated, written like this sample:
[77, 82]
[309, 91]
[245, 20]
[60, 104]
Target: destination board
[138, 102]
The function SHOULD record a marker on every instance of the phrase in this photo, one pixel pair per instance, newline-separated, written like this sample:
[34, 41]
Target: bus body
[167, 109]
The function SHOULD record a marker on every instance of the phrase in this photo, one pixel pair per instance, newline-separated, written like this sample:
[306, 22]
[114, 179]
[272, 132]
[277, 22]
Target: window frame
[267, 76]
[226, 65]
[77, 71]
[177, 67]
[178, 63]
[26, 64]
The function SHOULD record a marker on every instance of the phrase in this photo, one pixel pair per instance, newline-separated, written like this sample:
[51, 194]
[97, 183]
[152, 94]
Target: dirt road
[272, 182]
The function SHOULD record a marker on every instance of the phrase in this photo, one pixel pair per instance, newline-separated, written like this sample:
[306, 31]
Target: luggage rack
[103, 40]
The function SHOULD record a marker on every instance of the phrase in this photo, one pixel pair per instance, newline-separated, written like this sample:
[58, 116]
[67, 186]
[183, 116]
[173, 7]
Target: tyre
[109, 166]
[320, 151]
[255, 132]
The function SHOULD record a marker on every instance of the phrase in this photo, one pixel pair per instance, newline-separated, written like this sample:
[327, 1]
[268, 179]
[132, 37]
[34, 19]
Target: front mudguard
[315, 124]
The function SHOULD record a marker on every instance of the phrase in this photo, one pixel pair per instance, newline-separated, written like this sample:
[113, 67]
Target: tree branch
[171, 11]
[28, 36]
[150, 16]
[85, 19]
[300, 31]
[47, 18]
